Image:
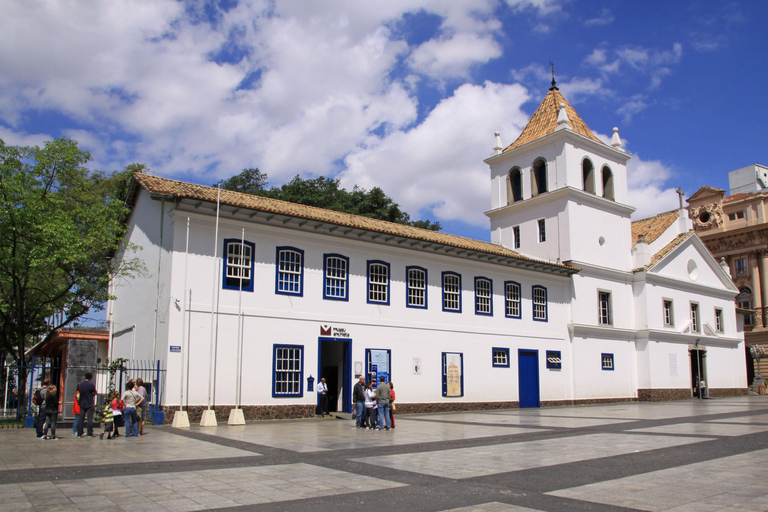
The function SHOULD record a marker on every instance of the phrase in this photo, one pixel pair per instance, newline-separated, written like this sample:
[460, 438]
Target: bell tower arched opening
[588, 176]
[538, 177]
[514, 185]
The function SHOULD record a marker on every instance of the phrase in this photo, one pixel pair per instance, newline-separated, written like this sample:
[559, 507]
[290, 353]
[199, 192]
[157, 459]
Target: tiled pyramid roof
[158, 186]
[544, 121]
[653, 227]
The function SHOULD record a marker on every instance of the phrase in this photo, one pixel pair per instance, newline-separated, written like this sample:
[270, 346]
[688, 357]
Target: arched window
[588, 176]
[744, 301]
[515, 186]
[608, 184]
[538, 177]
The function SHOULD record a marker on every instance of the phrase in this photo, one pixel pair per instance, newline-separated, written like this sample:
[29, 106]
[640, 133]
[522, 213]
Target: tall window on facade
[608, 192]
[744, 301]
[512, 299]
[483, 293]
[540, 303]
[669, 319]
[290, 271]
[604, 308]
[288, 371]
[451, 292]
[417, 287]
[515, 185]
[238, 265]
[336, 282]
[538, 177]
[740, 267]
[378, 282]
[542, 230]
[516, 233]
[695, 325]
[588, 176]
[718, 320]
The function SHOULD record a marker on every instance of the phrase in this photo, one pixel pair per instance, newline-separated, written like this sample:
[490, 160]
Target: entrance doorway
[698, 369]
[528, 377]
[334, 364]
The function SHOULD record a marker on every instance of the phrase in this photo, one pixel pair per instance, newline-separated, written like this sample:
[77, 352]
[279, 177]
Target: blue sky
[404, 95]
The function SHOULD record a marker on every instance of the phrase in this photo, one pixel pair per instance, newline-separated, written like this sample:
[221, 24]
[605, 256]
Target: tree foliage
[326, 193]
[59, 226]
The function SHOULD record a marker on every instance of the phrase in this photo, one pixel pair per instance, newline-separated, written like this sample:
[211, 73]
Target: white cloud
[605, 18]
[579, 88]
[650, 62]
[649, 190]
[421, 167]
[544, 7]
[634, 105]
[453, 57]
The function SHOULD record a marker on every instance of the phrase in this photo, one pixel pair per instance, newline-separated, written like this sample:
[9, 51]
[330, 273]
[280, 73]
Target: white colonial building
[248, 300]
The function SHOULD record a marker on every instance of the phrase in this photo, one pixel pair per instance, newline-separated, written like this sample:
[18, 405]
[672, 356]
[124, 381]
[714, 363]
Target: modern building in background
[249, 301]
[735, 228]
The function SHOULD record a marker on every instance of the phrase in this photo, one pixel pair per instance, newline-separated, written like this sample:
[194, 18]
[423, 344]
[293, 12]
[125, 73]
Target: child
[76, 412]
[117, 413]
[108, 422]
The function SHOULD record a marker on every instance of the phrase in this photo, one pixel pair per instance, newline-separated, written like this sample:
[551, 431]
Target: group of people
[374, 408]
[130, 409]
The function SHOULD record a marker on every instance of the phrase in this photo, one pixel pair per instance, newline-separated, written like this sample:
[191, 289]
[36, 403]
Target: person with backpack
[38, 399]
[51, 409]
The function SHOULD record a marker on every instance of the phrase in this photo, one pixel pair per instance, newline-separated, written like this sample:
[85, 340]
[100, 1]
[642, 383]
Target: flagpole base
[236, 417]
[180, 419]
[208, 419]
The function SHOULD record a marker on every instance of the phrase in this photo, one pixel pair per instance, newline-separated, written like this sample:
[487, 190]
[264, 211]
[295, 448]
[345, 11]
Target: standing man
[322, 392]
[87, 403]
[382, 400]
[358, 396]
[141, 409]
[38, 399]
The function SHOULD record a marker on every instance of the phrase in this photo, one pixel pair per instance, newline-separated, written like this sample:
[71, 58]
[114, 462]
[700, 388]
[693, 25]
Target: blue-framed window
[554, 360]
[378, 362]
[335, 277]
[483, 296]
[416, 287]
[452, 292]
[378, 282]
[500, 357]
[512, 307]
[289, 270]
[287, 370]
[607, 361]
[238, 265]
[453, 374]
[540, 304]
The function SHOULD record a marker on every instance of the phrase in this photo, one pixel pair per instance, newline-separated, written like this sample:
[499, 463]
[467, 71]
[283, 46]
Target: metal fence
[66, 379]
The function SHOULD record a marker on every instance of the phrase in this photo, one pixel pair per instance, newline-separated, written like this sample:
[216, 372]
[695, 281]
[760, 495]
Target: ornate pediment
[707, 216]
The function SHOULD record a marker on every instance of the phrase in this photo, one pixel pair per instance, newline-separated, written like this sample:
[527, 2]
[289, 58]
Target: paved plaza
[709, 455]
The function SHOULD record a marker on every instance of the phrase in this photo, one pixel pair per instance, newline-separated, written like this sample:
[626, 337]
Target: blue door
[528, 373]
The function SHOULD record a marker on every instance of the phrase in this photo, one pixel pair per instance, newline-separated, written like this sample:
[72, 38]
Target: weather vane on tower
[552, 69]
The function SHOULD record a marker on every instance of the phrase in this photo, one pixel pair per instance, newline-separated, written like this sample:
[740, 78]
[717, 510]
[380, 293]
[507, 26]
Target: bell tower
[559, 193]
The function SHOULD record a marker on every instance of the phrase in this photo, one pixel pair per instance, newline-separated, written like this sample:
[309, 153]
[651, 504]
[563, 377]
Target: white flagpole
[236, 416]
[209, 419]
[181, 419]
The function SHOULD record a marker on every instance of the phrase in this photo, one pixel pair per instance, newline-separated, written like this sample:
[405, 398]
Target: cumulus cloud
[649, 191]
[605, 18]
[423, 166]
[650, 62]
[452, 57]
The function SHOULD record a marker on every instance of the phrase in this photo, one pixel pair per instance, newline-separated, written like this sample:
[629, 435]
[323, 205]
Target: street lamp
[757, 352]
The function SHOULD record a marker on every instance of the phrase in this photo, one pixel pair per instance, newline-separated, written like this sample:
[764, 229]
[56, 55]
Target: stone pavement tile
[181, 505]
[704, 429]
[758, 418]
[487, 460]
[307, 436]
[518, 419]
[492, 507]
[12, 507]
[728, 483]
[19, 449]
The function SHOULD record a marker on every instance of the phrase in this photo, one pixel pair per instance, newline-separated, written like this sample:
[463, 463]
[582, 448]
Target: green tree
[60, 226]
[327, 193]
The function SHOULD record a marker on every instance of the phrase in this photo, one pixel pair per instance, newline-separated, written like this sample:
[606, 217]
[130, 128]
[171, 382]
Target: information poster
[380, 361]
[453, 374]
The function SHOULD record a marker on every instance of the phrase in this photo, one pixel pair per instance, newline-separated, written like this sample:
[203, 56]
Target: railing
[66, 379]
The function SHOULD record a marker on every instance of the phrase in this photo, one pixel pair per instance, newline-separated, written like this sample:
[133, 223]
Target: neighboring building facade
[735, 228]
[249, 297]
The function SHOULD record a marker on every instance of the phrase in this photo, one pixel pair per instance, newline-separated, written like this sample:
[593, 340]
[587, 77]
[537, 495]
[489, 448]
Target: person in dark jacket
[87, 396]
[39, 399]
[51, 408]
[358, 396]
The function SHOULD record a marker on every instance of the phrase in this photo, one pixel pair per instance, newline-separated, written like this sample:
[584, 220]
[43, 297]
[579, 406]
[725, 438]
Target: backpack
[37, 398]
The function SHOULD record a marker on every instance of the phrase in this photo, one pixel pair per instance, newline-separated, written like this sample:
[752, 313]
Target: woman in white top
[370, 403]
[131, 399]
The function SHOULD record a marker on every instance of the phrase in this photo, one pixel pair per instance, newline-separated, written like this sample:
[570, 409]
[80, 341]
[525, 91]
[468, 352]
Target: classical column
[763, 255]
[757, 296]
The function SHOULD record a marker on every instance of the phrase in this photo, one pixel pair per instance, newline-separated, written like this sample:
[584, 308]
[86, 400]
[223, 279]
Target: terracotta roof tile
[177, 189]
[679, 239]
[544, 121]
[653, 227]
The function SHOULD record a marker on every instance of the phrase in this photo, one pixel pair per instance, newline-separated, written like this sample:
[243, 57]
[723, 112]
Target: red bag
[76, 404]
